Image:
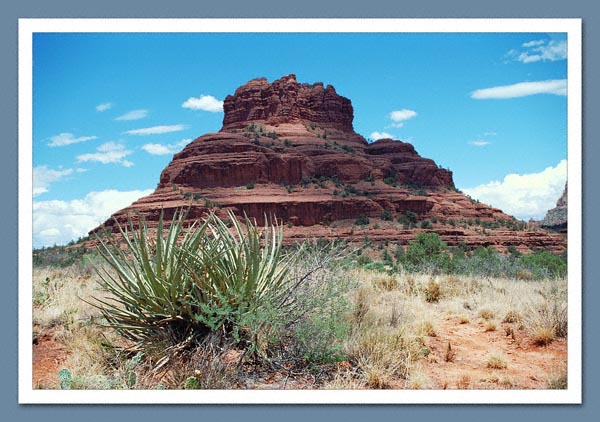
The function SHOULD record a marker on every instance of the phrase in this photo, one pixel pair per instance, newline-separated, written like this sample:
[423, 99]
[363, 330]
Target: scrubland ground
[365, 329]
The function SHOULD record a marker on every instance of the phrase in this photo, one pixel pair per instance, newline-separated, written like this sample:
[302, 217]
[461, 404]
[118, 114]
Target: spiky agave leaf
[150, 287]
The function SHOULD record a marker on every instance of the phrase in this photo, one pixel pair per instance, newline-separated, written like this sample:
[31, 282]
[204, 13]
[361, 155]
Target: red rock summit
[288, 149]
[287, 101]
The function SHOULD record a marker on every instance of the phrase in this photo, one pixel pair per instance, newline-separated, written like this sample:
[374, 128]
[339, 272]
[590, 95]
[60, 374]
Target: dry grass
[558, 379]
[496, 361]
[542, 335]
[464, 382]
[486, 313]
[419, 380]
[393, 319]
[490, 326]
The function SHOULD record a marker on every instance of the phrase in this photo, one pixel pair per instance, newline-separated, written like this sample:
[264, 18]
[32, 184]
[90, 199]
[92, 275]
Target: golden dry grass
[391, 318]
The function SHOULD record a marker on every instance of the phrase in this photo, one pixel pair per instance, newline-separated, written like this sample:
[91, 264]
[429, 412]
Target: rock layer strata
[289, 150]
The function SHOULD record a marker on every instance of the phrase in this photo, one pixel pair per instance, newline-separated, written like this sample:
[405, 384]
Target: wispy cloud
[66, 138]
[133, 115]
[108, 153]
[155, 130]
[534, 43]
[58, 222]
[480, 143]
[381, 135]
[43, 177]
[103, 107]
[540, 50]
[161, 149]
[522, 89]
[205, 103]
[524, 195]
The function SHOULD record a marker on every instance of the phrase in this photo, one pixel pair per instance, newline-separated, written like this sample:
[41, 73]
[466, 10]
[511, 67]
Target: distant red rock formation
[556, 218]
[289, 150]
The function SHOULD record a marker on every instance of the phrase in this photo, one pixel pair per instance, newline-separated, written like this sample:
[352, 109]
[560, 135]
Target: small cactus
[66, 379]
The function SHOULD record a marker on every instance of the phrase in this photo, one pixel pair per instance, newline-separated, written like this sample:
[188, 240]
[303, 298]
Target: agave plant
[183, 283]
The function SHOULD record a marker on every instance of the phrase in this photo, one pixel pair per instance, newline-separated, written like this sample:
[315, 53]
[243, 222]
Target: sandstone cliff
[288, 149]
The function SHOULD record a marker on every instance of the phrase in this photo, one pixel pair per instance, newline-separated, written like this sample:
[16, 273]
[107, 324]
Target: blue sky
[109, 110]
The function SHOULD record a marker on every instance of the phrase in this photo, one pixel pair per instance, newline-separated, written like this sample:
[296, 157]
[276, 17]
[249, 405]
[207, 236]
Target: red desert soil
[528, 365]
[48, 354]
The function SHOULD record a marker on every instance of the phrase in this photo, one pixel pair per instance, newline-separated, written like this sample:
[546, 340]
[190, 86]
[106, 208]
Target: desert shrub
[426, 224]
[362, 221]
[543, 264]
[61, 256]
[317, 323]
[408, 217]
[249, 185]
[212, 280]
[427, 252]
[390, 180]
[386, 215]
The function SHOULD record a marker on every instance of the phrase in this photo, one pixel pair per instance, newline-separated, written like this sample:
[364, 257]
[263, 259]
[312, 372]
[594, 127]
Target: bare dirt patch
[466, 365]
[48, 355]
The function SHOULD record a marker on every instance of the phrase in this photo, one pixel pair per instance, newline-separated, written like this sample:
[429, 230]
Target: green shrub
[249, 185]
[212, 280]
[426, 224]
[390, 180]
[362, 221]
[386, 215]
[423, 247]
[545, 264]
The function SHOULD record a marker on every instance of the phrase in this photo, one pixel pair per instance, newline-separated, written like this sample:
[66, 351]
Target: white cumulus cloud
[108, 153]
[66, 138]
[381, 135]
[522, 89]
[103, 107]
[43, 177]
[161, 149]
[156, 130]
[524, 196]
[133, 115]
[59, 222]
[205, 103]
[402, 115]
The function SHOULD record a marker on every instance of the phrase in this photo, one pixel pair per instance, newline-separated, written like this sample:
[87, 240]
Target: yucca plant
[150, 293]
[243, 275]
[182, 283]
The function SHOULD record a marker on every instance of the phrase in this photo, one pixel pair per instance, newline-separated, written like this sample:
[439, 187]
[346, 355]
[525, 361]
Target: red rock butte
[289, 150]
